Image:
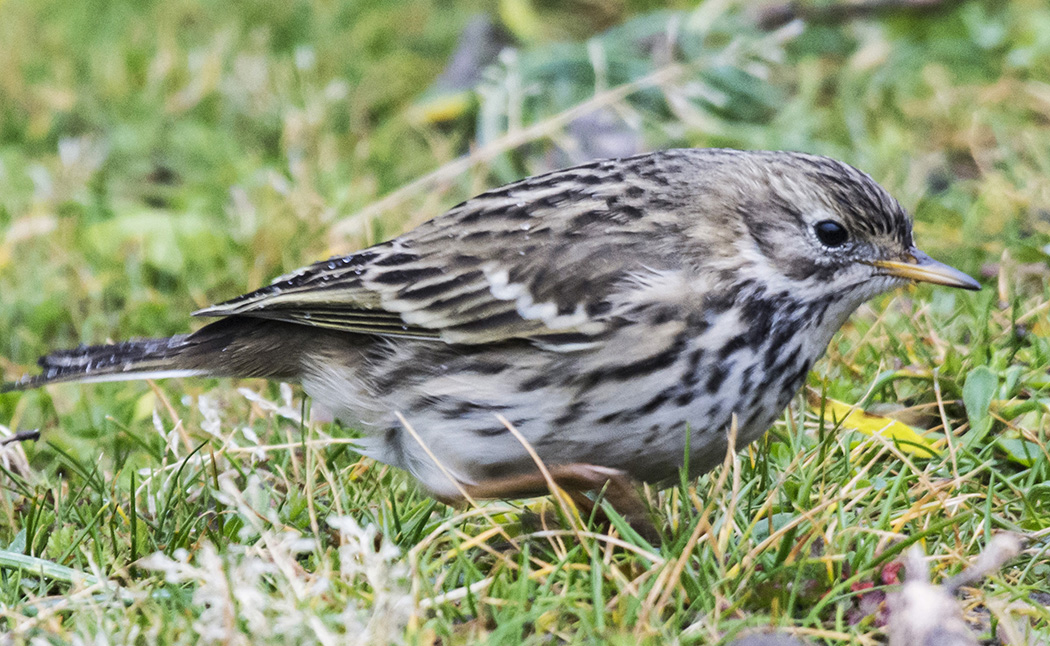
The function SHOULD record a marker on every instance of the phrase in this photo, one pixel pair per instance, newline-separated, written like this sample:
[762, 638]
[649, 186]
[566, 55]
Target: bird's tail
[138, 359]
[232, 347]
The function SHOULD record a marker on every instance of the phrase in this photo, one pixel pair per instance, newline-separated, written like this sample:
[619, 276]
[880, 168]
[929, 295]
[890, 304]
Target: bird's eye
[831, 233]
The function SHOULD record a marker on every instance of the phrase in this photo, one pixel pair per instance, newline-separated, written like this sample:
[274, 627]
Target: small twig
[21, 436]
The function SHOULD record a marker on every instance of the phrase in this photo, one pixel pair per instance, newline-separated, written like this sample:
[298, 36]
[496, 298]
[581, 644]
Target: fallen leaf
[908, 439]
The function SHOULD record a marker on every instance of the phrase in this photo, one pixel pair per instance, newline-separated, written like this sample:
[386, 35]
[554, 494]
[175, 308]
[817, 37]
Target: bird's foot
[615, 486]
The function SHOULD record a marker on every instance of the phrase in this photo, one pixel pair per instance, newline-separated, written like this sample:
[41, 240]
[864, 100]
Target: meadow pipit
[606, 311]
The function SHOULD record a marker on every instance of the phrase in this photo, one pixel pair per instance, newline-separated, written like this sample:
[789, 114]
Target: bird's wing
[541, 259]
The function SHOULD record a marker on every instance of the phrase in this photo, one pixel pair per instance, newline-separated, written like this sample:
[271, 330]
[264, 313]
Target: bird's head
[823, 227]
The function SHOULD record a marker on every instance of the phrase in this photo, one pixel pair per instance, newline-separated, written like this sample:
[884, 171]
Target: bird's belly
[653, 426]
[598, 412]
[687, 425]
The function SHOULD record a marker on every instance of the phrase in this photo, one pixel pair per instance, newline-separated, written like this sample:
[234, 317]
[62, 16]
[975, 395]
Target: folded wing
[539, 259]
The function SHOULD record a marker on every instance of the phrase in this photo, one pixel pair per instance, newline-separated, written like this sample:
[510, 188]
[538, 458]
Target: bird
[614, 322]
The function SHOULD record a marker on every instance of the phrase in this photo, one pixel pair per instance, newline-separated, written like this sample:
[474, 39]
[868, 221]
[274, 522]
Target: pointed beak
[919, 267]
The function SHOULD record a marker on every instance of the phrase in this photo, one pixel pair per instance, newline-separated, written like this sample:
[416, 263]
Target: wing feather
[538, 259]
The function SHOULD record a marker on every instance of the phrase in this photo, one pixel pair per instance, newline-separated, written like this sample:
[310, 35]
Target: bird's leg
[617, 487]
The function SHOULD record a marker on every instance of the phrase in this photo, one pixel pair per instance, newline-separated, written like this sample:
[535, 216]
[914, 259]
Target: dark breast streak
[744, 356]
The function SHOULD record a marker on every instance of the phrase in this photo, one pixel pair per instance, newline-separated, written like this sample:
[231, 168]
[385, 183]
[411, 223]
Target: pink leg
[619, 489]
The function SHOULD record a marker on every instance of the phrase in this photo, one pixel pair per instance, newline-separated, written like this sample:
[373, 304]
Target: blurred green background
[156, 157]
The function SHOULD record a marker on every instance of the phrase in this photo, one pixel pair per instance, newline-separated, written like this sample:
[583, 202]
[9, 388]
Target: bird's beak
[919, 267]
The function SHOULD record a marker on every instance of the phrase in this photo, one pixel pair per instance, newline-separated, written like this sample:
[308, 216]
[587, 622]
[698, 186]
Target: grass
[158, 157]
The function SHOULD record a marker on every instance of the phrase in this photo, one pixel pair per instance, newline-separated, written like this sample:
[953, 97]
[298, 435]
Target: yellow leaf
[908, 439]
[144, 406]
[441, 108]
[521, 18]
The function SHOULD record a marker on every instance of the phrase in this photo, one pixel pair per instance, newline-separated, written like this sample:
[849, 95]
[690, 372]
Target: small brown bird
[608, 312]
